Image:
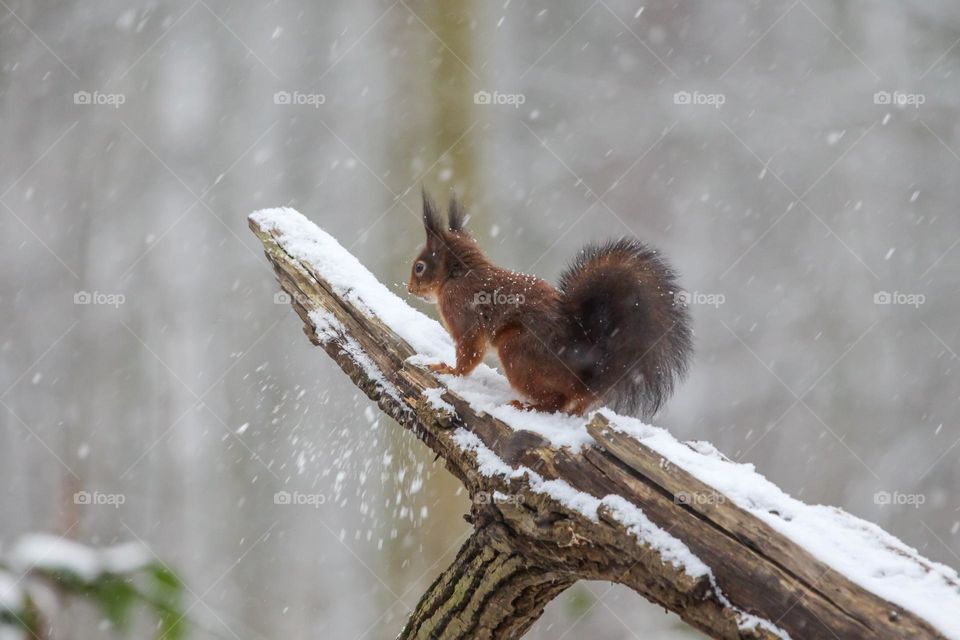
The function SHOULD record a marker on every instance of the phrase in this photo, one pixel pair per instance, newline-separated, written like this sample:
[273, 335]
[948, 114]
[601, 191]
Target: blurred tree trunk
[452, 89]
[442, 139]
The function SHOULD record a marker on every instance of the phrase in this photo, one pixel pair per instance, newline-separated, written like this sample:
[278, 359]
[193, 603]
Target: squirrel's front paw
[442, 367]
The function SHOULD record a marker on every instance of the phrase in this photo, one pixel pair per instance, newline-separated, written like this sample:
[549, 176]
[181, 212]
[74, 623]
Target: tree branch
[546, 516]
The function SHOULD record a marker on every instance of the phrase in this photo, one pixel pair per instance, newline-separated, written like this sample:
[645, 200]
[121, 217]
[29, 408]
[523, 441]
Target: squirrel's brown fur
[614, 333]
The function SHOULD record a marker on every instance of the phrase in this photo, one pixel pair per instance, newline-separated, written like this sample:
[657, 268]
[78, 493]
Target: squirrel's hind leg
[551, 404]
[580, 405]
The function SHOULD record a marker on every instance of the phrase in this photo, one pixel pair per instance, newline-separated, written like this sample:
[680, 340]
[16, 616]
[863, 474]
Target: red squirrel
[615, 332]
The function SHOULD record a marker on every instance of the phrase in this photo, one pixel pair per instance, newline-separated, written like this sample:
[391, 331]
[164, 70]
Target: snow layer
[328, 328]
[672, 549]
[54, 554]
[860, 550]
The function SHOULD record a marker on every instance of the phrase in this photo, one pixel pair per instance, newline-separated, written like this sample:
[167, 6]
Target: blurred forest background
[795, 160]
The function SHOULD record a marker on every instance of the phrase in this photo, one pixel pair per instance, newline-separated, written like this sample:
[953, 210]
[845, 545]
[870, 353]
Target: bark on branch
[490, 591]
[523, 553]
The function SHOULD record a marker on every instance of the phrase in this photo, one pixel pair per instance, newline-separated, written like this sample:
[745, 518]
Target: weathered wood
[532, 549]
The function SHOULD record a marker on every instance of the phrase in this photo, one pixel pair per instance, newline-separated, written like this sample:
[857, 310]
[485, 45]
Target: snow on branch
[605, 497]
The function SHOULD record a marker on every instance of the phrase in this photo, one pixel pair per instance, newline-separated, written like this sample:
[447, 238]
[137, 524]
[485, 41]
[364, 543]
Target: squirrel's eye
[420, 267]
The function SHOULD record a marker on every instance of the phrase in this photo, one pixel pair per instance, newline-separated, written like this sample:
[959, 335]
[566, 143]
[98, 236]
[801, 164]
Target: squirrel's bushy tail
[628, 338]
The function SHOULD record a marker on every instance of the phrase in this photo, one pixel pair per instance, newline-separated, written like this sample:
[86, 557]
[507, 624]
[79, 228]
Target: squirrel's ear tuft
[456, 214]
[431, 217]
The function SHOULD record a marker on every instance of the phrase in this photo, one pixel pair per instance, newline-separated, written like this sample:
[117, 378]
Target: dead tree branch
[760, 584]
